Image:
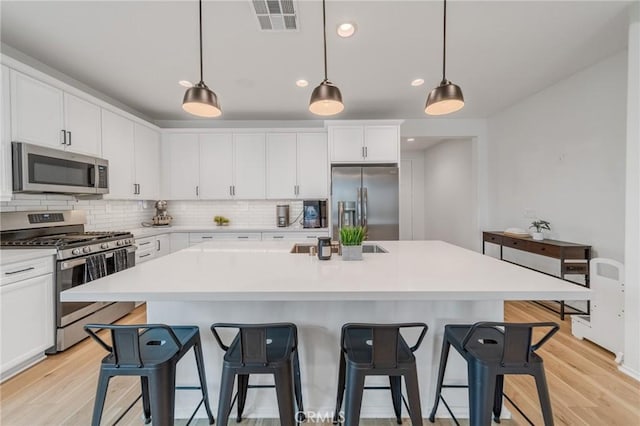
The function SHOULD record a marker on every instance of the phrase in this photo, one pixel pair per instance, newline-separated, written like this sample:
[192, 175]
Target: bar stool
[152, 352]
[378, 350]
[261, 349]
[491, 353]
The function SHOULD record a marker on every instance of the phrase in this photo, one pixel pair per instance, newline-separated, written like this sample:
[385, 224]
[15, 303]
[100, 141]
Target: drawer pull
[243, 236]
[144, 244]
[206, 238]
[278, 236]
[21, 270]
[145, 255]
[311, 236]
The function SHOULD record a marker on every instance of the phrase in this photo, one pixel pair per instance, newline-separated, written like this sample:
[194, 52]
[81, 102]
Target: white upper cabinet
[249, 166]
[282, 179]
[147, 162]
[216, 166]
[117, 147]
[364, 143]
[181, 159]
[36, 112]
[5, 129]
[45, 115]
[297, 165]
[82, 124]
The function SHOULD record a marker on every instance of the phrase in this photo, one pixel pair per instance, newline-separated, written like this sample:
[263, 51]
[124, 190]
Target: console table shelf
[574, 260]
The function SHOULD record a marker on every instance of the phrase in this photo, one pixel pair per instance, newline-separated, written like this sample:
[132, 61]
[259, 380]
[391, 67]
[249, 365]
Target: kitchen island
[428, 281]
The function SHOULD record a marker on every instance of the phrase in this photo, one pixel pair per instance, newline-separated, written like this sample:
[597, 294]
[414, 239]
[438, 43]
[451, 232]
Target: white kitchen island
[429, 281]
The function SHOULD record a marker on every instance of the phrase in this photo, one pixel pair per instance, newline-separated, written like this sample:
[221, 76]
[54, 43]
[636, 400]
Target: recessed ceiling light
[411, 140]
[417, 82]
[185, 83]
[302, 83]
[346, 30]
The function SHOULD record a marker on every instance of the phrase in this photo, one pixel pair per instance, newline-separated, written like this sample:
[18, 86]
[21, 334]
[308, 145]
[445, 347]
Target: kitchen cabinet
[27, 313]
[152, 247]
[310, 237]
[178, 241]
[201, 237]
[216, 166]
[181, 160]
[133, 151]
[364, 143]
[249, 166]
[45, 115]
[5, 135]
[297, 165]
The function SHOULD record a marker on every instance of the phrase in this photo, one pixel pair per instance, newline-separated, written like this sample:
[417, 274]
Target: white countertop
[18, 255]
[158, 230]
[258, 271]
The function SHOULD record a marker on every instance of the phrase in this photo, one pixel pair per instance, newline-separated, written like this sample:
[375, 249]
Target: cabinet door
[312, 165]
[249, 166]
[216, 166]
[5, 134]
[117, 147]
[147, 162]
[82, 121]
[281, 166]
[178, 241]
[182, 152]
[27, 325]
[163, 245]
[36, 112]
[381, 144]
[346, 144]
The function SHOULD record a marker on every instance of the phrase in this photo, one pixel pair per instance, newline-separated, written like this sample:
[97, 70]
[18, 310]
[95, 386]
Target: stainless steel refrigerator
[370, 195]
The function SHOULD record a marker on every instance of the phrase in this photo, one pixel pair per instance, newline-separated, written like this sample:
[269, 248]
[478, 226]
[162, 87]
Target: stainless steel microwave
[39, 169]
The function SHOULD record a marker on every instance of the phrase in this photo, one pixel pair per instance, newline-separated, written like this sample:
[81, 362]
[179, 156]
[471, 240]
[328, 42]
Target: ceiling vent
[276, 15]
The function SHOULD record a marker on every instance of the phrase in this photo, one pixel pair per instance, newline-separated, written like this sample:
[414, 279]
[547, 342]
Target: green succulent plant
[539, 225]
[352, 235]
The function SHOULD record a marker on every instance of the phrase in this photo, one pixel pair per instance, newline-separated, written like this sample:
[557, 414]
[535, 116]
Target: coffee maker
[282, 214]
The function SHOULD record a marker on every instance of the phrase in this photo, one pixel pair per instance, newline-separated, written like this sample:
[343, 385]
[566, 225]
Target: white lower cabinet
[27, 314]
[178, 241]
[152, 247]
[310, 237]
[201, 237]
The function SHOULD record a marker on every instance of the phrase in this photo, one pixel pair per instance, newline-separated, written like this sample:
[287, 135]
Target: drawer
[516, 243]
[492, 238]
[293, 236]
[145, 243]
[580, 268]
[238, 236]
[544, 249]
[199, 237]
[18, 271]
[144, 255]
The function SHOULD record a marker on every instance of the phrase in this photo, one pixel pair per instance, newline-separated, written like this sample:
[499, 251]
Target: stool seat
[358, 343]
[280, 344]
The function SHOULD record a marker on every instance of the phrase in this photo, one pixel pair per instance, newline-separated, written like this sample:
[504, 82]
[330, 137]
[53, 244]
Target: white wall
[561, 154]
[412, 196]
[450, 193]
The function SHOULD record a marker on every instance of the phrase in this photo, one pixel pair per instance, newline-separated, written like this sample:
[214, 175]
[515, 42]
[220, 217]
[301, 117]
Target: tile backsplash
[128, 214]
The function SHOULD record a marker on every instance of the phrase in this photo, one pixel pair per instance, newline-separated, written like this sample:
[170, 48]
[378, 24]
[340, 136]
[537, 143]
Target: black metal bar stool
[378, 350]
[152, 352]
[492, 352]
[261, 349]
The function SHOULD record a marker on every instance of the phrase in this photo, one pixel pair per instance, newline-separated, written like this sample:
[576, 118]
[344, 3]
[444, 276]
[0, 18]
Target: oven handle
[68, 264]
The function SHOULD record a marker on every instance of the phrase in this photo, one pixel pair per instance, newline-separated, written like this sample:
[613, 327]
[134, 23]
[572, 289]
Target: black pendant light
[200, 100]
[326, 99]
[447, 97]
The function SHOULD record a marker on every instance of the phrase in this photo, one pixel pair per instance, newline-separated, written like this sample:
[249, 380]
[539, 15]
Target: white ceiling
[136, 51]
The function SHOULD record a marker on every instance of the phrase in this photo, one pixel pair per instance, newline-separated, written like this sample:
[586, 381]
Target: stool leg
[243, 383]
[353, 399]
[284, 394]
[162, 392]
[395, 383]
[444, 355]
[543, 395]
[497, 400]
[340, 392]
[101, 394]
[146, 405]
[413, 393]
[197, 350]
[226, 393]
[298, 386]
[482, 386]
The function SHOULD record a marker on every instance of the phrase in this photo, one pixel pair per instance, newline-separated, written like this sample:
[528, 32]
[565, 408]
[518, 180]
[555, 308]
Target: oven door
[72, 273]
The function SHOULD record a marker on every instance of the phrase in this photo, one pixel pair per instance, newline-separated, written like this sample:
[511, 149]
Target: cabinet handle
[366, 152]
[138, 189]
[234, 190]
[206, 238]
[69, 143]
[243, 236]
[197, 191]
[145, 255]
[278, 236]
[21, 270]
[158, 241]
[230, 190]
[145, 243]
[64, 137]
[363, 152]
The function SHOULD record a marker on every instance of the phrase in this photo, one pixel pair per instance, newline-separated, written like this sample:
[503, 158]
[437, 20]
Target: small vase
[352, 252]
[538, 236]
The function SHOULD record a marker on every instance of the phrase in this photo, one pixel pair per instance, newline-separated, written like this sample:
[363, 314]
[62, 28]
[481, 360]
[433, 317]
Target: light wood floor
[586, 387]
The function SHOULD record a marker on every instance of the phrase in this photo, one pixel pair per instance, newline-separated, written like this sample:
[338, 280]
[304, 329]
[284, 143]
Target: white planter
[352, 252]
[538, 236]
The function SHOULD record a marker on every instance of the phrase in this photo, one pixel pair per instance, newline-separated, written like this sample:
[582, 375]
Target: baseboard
[630, 372]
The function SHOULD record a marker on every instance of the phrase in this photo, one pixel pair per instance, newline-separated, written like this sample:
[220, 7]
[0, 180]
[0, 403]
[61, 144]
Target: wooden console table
[574, 260]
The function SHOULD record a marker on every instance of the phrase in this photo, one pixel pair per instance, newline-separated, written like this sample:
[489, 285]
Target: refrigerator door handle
[365, 201]
[359, 207]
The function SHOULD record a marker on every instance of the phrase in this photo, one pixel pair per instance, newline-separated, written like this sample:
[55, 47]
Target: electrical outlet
[530, 213]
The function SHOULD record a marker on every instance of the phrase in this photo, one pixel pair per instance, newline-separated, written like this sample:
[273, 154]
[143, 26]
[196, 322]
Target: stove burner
[65, 240]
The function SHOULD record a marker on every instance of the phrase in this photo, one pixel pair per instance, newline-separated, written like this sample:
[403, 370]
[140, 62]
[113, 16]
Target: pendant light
[326, 99]
[200, 100]
[447, 97]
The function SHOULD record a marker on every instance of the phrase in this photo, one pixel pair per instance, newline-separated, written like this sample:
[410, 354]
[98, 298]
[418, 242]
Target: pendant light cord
[324, 26]
[444, 42]
[201, 73]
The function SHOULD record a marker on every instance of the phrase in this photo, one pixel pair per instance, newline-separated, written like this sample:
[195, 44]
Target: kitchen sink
[366, 248]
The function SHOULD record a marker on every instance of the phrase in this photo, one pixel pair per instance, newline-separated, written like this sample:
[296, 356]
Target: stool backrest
[518, 345]
[125, 341]
[252, 339]
[385, 339]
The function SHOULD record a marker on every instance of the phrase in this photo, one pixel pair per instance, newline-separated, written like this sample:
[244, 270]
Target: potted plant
[351, 240]
[539, 225]
[221, 220]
